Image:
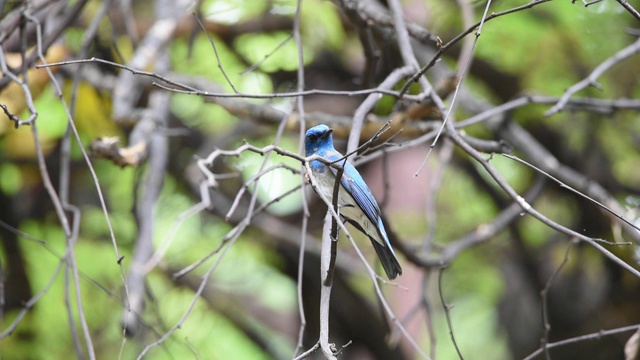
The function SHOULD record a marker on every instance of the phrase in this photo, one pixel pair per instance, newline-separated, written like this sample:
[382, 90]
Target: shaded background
[70, 284]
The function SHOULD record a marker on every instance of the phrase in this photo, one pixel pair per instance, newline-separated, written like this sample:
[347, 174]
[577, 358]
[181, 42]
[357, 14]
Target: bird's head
[318, 138]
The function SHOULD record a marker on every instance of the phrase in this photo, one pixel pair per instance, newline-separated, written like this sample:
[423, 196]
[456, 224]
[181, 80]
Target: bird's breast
[318, 167]
[348, 206]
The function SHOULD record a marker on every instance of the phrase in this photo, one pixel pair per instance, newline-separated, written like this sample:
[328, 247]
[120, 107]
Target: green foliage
[547, 48]
[201, 116]
[458, 189]
[273, 51]
[205, 332]
[10, 178]
[233, 11]
[321, 26]
[471, 315]
[73, 37]
[274, 184]
[542, 51]
[199, 59]
[52, 123]
[618, 138]
[94, 225]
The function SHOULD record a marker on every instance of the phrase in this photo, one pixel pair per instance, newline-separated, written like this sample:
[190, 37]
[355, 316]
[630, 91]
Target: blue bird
[355, 201]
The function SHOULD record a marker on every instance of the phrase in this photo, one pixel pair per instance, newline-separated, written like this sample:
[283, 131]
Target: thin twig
[433, 188]
[185, 89]
[461, 75]
[526, 207]
[268, 55]
[565, 186]
[215, 51]
[308, 353]
[203, 283]
[629, 8]
[328, 280]
[54, 195]
[447, 313]
[593, 336]
[591, 80]
[460, 36]
[300, 73]
[252, 181]
[368, 104]
[544, 293]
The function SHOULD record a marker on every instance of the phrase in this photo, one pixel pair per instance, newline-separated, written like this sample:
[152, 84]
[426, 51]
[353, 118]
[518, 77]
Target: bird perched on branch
[355, 201]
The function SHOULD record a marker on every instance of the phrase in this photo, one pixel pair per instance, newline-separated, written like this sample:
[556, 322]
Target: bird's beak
[327, 133]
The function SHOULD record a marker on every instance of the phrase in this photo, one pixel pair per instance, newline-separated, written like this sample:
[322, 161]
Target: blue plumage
[355, 200]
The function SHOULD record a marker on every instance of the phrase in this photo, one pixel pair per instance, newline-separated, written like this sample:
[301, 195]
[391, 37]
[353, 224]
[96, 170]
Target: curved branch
[591, 80]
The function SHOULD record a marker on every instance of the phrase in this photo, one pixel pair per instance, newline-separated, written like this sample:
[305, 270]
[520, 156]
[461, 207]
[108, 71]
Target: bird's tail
[388, 259]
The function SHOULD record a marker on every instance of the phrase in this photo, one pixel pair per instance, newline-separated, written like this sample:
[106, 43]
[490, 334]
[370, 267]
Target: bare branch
[368, 104]
[447, 312]
[325, 294]
[544, 295]
[455, 40]
[591, 80]
[601, 106]
[526, 207]
[629, 8]
[563, 185]
[593, 336]
[215, 51]
[185, 89]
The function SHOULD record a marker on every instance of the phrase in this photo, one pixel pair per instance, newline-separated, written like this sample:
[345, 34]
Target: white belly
[347, 206]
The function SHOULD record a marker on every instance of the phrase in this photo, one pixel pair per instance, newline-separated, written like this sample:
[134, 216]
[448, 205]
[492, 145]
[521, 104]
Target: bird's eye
[312, 137]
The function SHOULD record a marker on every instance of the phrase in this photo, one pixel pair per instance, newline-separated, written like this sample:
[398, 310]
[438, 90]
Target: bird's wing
[358, 189]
